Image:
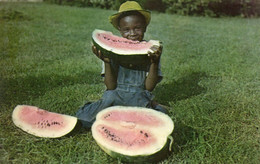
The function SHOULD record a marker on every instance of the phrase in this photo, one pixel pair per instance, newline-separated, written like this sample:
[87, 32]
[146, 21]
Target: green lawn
[211, 82]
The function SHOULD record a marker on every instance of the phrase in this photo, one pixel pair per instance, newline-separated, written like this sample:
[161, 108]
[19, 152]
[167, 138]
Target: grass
[211, 82]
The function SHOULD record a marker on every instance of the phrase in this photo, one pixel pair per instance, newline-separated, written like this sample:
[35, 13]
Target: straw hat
[129, 6]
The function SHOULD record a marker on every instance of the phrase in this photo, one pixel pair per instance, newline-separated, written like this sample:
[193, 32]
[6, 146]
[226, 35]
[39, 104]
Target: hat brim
[113, 19]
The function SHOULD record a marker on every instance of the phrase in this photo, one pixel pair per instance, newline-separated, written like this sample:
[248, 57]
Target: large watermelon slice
[122, 49]
[42, 123]
[133, 134]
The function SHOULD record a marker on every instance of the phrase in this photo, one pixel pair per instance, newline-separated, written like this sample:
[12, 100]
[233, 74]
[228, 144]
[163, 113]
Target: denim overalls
[130, 91]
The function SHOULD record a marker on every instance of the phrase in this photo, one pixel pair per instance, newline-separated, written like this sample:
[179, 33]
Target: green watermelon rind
[149, 158]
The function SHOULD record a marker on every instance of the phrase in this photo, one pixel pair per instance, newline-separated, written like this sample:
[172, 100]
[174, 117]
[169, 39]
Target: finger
[150, 51]
[100, 55]
[94, 49]
[154, 48]
[152, 56]
[159, 51]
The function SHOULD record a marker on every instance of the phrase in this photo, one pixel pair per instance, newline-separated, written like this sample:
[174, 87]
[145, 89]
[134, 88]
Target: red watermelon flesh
[42, 123]
[133, 116]
[131, 131]
[129, 139]
[121, 46]
[121, 43]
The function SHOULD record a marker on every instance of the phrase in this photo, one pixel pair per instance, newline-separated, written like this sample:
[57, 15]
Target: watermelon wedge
[42, 123]
[121, 49]
[133, 134]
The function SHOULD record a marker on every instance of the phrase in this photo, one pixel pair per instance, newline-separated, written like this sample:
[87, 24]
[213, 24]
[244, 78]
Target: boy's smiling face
[132, 27]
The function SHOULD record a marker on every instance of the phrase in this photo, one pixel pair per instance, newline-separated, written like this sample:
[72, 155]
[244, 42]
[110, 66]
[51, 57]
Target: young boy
[126, 85]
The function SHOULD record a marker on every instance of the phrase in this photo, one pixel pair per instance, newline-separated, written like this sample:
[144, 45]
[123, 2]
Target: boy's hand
[99, 54]
[155, 54]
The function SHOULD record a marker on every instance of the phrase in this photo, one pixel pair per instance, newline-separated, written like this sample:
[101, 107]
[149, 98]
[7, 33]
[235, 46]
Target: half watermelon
[42, 123]
[133, 134]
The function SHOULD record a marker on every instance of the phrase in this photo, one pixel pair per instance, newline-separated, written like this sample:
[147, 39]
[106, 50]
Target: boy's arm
[110, 78]
[153, 77]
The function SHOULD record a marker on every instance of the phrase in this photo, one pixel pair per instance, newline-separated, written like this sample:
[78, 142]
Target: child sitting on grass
[126, 84]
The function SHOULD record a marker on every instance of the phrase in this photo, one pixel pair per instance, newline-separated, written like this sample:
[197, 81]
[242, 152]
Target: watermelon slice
[133, 134]
[42, 123]
[121, 49]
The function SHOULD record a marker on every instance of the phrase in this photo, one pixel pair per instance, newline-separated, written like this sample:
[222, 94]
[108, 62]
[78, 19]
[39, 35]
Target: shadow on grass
[18, 90]
[183, 88]
[183, 135]
[9, 14]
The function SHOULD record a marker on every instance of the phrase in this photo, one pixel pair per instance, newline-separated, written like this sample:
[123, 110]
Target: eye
[125, 30]
[138, 28]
